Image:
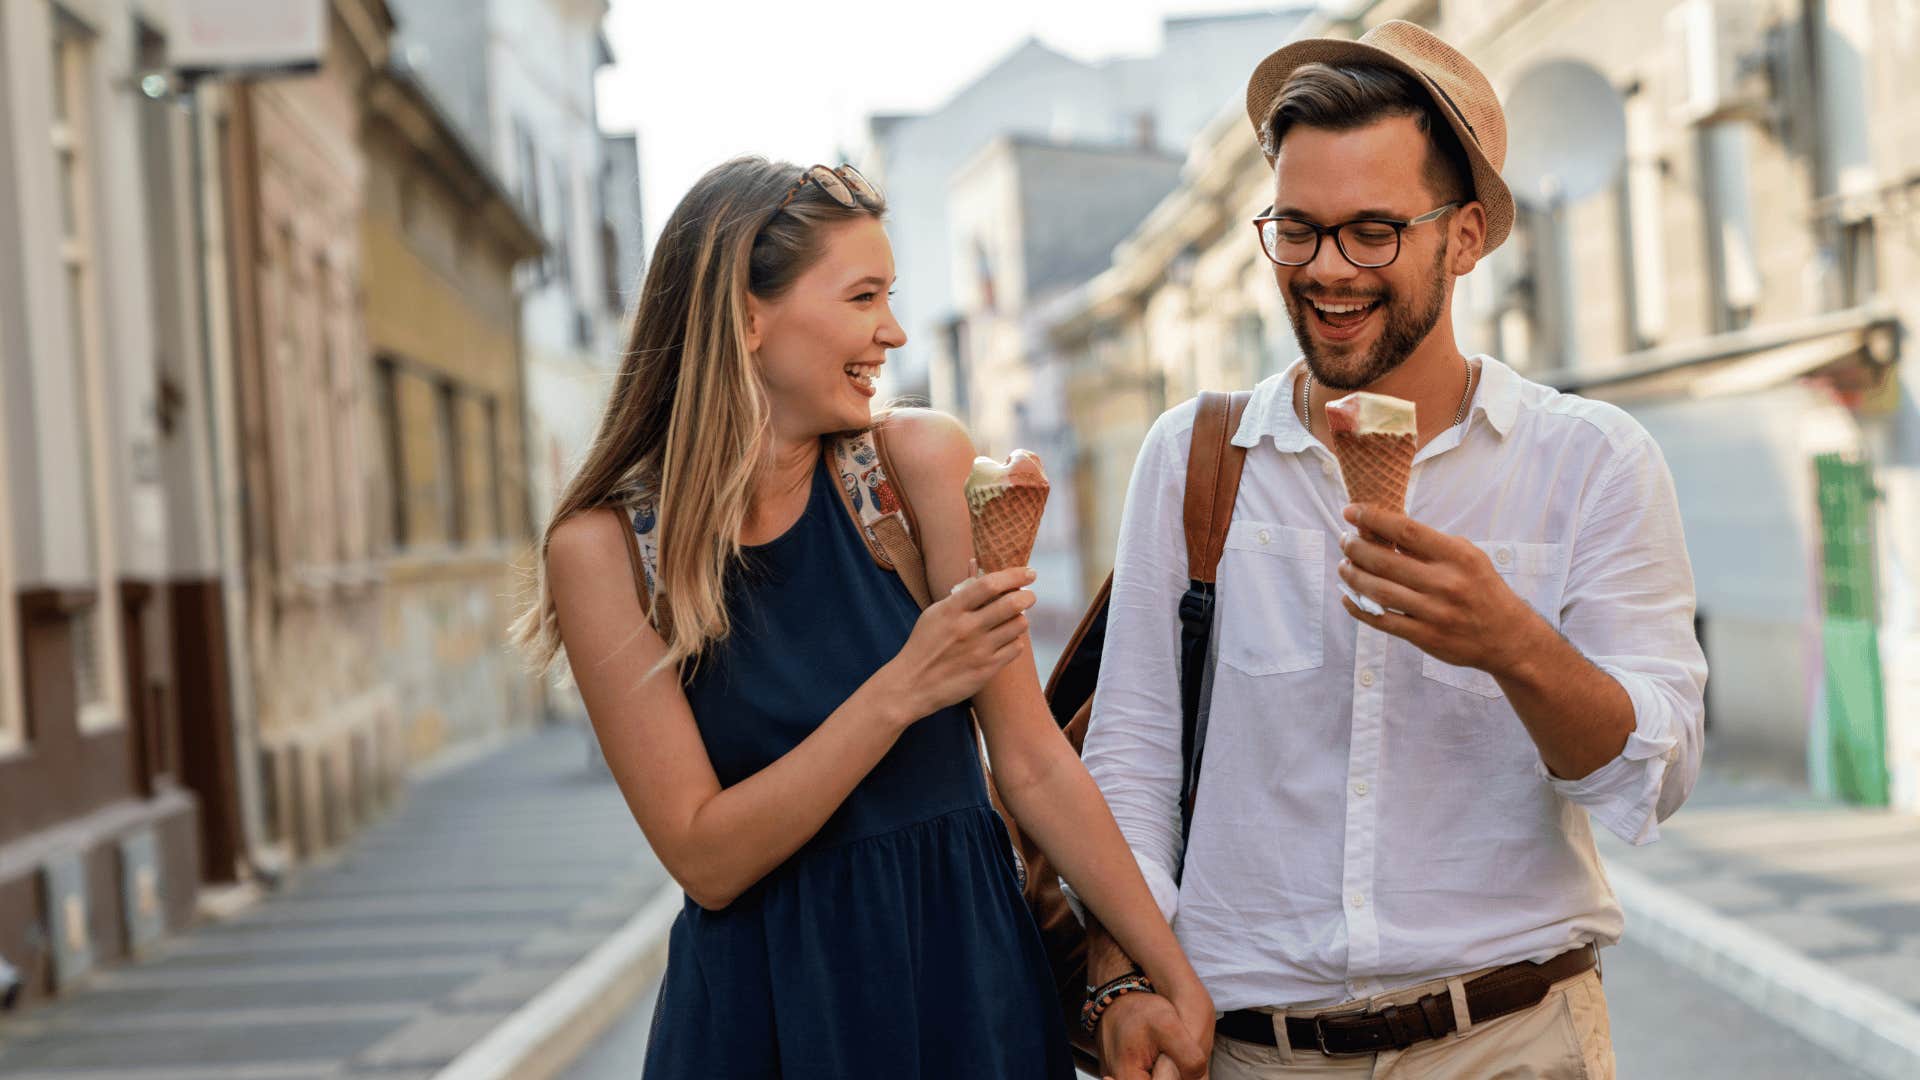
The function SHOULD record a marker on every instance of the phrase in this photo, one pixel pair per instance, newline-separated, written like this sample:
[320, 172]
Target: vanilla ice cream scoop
[1371, 414]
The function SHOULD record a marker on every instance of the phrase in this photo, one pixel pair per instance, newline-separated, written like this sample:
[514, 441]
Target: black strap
[1213, 482]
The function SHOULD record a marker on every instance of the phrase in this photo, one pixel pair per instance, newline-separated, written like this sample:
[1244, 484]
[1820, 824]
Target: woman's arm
[1039, 777]
[717, 842]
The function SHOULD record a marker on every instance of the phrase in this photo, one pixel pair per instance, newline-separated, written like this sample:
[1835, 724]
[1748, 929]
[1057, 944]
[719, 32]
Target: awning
[1855, 347]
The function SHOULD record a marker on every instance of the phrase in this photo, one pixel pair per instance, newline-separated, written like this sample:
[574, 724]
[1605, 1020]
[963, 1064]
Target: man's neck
[1434, 378]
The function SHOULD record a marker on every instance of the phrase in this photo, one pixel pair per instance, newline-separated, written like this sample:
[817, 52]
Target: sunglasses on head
[843, 185]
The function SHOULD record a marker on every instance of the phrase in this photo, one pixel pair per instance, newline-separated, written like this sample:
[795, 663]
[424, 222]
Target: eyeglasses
[1368, 243]
[843, 185]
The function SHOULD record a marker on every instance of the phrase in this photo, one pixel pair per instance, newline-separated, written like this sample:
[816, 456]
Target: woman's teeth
[863, 373]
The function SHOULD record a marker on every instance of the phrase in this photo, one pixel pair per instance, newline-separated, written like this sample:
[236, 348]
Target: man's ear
[1469, 229]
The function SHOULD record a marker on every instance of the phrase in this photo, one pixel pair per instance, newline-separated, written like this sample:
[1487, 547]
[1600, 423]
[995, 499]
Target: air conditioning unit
[1718, 60]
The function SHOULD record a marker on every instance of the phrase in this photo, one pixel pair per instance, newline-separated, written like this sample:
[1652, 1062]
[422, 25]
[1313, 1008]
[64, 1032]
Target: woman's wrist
[891, 699]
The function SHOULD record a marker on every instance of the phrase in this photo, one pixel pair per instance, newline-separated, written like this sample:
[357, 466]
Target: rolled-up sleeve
[1629, 607]
[1133, 740]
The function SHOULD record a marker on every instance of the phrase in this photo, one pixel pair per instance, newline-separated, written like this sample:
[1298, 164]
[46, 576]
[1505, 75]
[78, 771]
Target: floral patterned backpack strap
[643, 541]
[878, 507]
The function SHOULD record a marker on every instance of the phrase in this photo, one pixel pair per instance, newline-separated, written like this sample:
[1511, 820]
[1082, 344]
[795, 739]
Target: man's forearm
[1106, 960]
[1578, 715]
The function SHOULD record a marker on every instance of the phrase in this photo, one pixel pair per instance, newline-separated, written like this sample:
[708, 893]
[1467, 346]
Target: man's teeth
[1342, 309]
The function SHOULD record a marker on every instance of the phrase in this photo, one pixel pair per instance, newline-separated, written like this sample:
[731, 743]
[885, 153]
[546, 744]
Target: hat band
[1444, 96]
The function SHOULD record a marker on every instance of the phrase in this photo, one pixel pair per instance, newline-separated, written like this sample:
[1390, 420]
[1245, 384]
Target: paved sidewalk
[488, 883]
[1807, 910]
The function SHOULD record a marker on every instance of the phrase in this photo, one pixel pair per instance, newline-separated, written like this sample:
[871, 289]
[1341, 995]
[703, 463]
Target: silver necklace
[1306, 400]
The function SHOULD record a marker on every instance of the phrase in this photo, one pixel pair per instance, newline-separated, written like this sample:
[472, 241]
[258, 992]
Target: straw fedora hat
[1460, 93]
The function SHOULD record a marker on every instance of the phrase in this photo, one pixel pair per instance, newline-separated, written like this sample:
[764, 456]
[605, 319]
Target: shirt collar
[1273, 413]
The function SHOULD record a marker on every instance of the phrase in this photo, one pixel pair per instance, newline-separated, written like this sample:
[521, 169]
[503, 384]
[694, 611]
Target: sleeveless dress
[895, 944]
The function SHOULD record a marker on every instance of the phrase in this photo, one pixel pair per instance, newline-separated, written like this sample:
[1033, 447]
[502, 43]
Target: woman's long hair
[687, 419]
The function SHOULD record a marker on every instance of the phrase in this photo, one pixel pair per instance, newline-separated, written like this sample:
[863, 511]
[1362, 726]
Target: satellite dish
[1566, 134]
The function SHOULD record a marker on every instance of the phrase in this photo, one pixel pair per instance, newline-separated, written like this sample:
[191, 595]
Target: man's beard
[1406, 327]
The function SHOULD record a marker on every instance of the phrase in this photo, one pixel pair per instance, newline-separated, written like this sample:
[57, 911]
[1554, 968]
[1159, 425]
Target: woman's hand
[961, 642]
[1195, 1006]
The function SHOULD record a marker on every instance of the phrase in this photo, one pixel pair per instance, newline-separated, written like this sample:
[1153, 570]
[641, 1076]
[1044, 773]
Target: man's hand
[1441, 593]
[1139, 1031]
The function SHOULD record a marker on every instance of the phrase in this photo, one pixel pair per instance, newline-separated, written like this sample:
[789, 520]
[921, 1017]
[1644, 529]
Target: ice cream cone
[1374, 438]
[1005, 503]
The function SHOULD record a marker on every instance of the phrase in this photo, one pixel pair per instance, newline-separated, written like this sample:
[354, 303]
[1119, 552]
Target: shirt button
[1361, 789]
[1327, 468]
[1503, 556]
[1359, 901]
[1366, 678]
[1265, 536]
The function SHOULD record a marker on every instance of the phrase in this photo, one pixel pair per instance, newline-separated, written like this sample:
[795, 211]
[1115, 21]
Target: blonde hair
[687, 419]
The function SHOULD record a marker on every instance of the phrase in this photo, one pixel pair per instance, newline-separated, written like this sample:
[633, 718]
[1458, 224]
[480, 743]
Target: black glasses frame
[1321, 232]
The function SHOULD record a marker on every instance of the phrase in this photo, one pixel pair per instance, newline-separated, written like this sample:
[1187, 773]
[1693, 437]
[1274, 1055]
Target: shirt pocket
[1536, 573]
[1272, 581]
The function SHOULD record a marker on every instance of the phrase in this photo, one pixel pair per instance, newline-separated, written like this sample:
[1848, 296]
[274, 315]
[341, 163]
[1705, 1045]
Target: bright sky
[705, 80]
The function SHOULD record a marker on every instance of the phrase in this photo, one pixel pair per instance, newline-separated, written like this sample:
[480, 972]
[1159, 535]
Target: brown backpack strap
[1213, 483]
[1213, 479]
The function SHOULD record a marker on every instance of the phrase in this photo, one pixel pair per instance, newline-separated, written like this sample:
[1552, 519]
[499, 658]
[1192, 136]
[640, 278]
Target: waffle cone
[1376, 468]
[1004, 526]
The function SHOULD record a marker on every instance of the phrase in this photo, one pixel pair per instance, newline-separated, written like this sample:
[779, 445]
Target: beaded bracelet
[1099, 999]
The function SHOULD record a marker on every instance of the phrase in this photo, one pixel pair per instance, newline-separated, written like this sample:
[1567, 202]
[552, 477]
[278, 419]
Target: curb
[1859, 1024]
[546, 1034]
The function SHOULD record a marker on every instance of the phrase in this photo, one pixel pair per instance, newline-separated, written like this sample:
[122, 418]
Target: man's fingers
[1398, 529]
[1400, 626]
[1166, 1069]
[1385, 562]
[1389, 594]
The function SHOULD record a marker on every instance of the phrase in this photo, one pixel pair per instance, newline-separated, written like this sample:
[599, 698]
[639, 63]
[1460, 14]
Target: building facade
[117, 761]
[440, 241]
[1156, 103]
[518, 77]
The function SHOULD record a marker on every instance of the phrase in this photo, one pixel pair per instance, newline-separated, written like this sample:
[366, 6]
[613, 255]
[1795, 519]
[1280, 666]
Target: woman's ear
[756, 323]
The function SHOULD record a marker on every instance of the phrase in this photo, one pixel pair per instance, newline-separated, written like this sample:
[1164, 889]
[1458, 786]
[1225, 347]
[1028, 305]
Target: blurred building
[118, 768]
[518, 77]
[440, 241]
[1032, 218]
[1743, 283]
[326, 711]
[1155, 103]
[263, 472]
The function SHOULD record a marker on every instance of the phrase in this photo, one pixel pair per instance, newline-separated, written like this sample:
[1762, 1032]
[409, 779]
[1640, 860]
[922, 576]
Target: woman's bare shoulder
[927, 443]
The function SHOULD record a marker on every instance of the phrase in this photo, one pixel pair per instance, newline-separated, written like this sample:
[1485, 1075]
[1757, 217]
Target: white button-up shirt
[1369, 817]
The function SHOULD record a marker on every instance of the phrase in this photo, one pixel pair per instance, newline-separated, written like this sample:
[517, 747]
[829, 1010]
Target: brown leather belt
[1396, 1027]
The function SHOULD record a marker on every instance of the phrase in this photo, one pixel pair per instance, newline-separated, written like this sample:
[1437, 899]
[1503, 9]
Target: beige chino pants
[1565, 1037]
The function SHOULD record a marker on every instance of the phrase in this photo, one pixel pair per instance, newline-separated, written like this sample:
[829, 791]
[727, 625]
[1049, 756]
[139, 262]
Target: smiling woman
[790, 729]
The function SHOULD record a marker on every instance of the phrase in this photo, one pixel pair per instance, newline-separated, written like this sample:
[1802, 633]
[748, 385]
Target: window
[562, 237]
[96, 629]
[1726, 201]
[452, 492]
[495, 490]
[386, 376]
[1642, 225]
[13, 718]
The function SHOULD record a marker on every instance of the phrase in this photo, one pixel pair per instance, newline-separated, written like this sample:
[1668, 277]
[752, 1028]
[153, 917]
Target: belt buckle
[1320, 1038]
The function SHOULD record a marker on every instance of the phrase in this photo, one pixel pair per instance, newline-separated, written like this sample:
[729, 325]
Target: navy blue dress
[894, 944]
